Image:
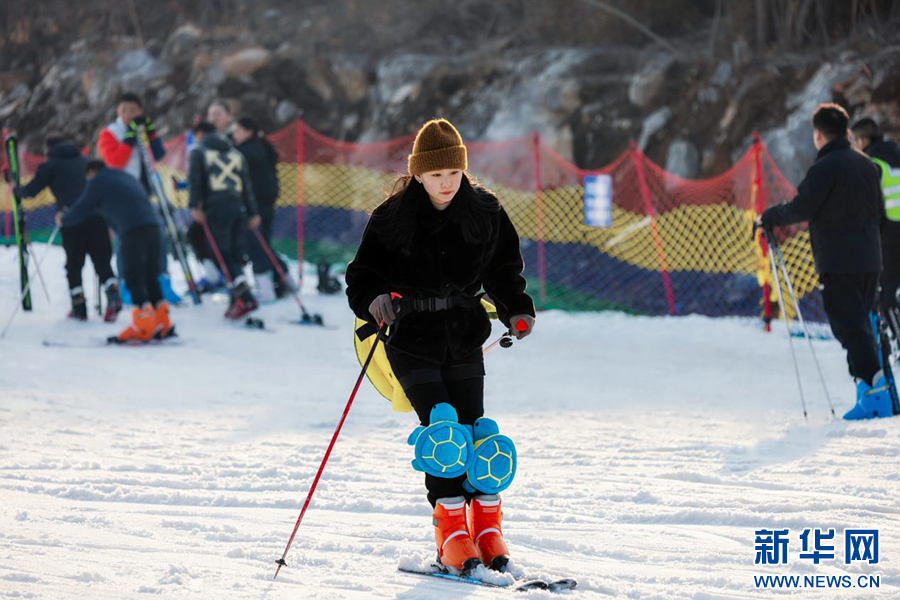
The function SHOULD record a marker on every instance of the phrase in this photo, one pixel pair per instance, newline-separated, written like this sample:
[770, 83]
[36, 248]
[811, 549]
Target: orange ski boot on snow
[164, 327]
[485, 516]
[451, 532]
[142, 328]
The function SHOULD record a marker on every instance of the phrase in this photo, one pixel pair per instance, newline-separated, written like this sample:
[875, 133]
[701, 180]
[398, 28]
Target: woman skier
[437, 240]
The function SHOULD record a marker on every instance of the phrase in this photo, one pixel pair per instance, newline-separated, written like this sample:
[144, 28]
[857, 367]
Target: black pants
[140, 264]
[257, 254]
[459, 383]
[227, 225]
[848, 299]
[890, 255]
[90, 238]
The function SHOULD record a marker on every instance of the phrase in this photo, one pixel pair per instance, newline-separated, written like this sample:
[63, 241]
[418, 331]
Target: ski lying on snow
[520, 586]
[96, 341]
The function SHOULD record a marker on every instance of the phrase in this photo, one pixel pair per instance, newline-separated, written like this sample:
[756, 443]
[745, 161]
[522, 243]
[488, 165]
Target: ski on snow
[442, 572]
[94, 342]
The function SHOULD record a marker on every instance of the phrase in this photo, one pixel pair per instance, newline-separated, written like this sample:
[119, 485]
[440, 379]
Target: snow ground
[651, 449]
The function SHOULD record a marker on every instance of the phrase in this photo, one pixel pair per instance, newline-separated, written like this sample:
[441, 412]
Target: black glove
[131, 135]
[522, 325]
[768, 219]
[148, 125]
[382, 309]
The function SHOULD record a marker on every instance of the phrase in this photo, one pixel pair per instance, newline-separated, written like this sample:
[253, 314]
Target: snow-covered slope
[651, 449]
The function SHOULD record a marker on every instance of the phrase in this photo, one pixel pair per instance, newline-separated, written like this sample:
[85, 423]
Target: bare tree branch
[636, 24]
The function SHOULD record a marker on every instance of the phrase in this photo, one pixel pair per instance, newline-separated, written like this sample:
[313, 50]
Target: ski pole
[786, 324]
[305, 316]
[382, 328]
[504, 341]
[28, 285]
[97, 288]
[37, 267]
[215, 248]
[174, 232]
[787, 279]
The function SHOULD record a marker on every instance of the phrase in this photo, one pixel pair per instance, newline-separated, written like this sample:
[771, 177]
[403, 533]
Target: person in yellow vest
[867, 138]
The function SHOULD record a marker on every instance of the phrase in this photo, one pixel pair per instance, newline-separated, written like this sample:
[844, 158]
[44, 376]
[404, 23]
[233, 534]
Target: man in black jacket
[841, 198]
[262, 165]
[867, 138]
[63, 173]
[221, 195]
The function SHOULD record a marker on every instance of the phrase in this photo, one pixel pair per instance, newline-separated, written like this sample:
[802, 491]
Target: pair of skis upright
[176, 235]
[12, 160]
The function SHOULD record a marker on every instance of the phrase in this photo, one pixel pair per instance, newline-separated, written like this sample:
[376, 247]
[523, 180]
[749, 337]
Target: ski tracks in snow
[649, 452]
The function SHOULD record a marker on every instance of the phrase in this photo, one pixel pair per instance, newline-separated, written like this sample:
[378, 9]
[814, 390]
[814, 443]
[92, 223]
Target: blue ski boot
[871, 401]
[168, 293]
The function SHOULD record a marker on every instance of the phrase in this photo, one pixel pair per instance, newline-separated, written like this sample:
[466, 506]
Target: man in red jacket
[118, 146]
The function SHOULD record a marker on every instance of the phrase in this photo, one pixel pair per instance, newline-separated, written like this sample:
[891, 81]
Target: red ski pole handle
[395, 305]
[521, 325]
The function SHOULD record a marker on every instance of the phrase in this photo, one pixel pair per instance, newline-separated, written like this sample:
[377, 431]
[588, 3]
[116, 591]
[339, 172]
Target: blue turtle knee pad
[444, 448]
[493, 465]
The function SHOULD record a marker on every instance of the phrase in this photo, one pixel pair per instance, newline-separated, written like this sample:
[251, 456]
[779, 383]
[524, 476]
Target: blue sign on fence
[598, 200]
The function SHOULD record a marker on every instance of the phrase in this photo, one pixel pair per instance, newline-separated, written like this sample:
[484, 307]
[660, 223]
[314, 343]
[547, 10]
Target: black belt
[411, 305]
[436, 304]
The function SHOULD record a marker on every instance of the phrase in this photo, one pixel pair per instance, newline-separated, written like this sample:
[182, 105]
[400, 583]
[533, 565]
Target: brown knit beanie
[438, 146]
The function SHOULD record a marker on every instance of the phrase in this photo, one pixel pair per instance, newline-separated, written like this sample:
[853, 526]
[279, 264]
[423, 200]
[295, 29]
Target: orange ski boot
[142, 328]
[485, 516]
[164, 327]
[454, 544]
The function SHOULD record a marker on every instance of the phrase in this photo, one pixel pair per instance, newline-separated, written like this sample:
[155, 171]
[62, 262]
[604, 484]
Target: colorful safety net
[670, 245]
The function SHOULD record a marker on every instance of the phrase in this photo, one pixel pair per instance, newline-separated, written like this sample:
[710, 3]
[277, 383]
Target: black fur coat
[439, 262]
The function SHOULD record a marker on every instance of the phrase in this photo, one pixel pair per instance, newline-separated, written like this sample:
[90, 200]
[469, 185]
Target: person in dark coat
[437, 241]
[221, 195]
[63, 173]
[262, 163]
[866, 137]
[842, 201]
[121, 199]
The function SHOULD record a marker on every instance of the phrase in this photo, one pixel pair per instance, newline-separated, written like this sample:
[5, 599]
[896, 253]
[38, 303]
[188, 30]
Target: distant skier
[63, 173]
[886, 154]
[221, 194]
[219, 114]
[262, 164]
[124, 203]
[118, 147]
[436, 241]
[842, 200]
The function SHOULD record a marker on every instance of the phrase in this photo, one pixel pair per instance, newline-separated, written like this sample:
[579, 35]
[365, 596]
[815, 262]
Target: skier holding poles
[436, 241]
[221, 199]
[842, 200]
[119, 147]
[866, 137]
